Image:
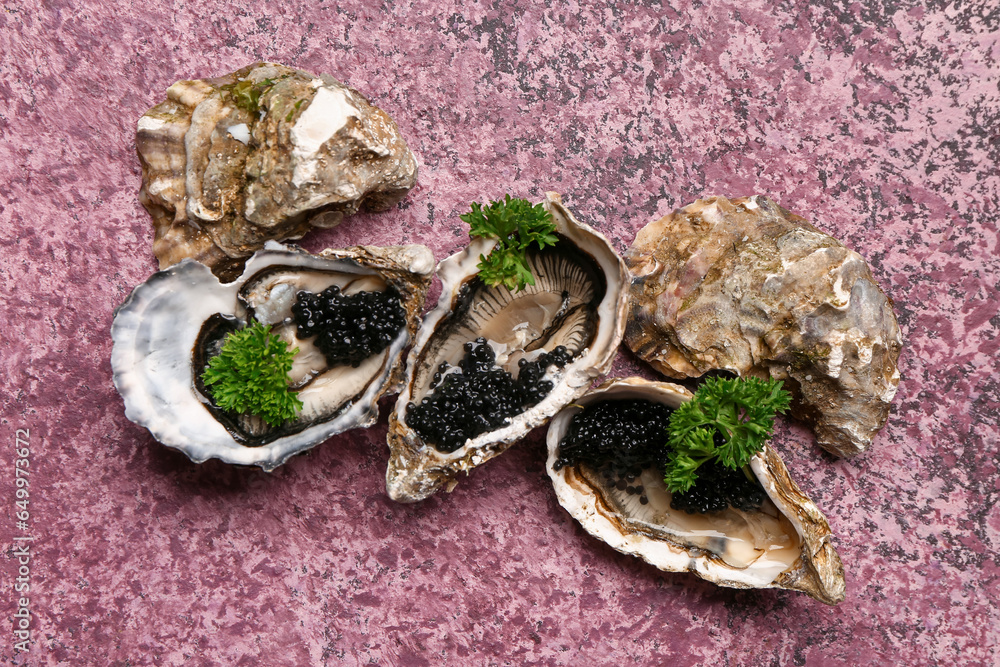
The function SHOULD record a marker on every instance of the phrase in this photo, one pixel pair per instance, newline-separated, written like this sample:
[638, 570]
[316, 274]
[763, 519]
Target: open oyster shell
[165, 331]
[266, 152]
[582, 276]
[743, 285]
[787, 544]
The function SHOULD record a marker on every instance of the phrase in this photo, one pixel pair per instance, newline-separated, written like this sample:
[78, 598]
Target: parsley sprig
[517, 224]
[250, 375]
[742, 410]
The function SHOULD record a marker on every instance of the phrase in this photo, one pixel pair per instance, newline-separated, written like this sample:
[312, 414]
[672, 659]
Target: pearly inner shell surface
[579, 301]
[166, 329]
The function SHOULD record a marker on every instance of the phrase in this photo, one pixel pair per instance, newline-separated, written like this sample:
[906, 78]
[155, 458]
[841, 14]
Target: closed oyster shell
[267, 152]
[745, 286]
[417, 469]
[165, 330]
[787, 544]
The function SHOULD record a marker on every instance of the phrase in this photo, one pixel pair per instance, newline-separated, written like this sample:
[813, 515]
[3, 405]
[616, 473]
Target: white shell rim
[152, 371]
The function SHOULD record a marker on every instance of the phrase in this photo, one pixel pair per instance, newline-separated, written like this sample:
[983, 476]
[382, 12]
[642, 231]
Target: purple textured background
[877, 121]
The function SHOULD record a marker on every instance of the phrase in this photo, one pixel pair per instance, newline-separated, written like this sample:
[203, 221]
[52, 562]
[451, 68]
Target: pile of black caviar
[349, 328]
[479, 396]
[719, 486]
[621, 438]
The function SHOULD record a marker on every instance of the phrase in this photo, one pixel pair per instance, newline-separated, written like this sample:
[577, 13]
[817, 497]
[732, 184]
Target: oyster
[784, 544]
[168, 328]
[576, 309]
[266, 152]
[745, 286]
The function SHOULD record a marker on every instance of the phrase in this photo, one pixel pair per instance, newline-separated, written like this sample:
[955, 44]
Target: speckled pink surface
[880, 122]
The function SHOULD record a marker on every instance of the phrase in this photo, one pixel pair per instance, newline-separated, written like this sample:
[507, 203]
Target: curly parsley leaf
[741, 410]
[250, 375]
[516, 224]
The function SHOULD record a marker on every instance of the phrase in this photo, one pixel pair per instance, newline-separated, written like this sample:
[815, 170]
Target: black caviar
[478, 396]
[349, 328]
[626, 436]
[716, 488]
[621, 438]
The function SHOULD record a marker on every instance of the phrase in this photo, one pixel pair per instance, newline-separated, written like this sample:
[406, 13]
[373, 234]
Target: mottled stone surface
[879, 122]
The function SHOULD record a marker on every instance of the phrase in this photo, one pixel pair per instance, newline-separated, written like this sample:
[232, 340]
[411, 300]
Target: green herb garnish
[250, 375]
[741, 410]
[517, 224]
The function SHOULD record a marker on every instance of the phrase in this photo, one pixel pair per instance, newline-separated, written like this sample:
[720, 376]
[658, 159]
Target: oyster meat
[745, 286]
[167, 330]
[267, 152]
[563, 331]
[786, 543]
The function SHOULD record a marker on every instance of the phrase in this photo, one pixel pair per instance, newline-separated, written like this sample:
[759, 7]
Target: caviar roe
[478, 396]
[349, 328]
[717, 487]
[621, 438]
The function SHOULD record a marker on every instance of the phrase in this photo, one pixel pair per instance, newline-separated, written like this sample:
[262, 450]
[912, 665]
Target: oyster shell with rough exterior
[170, 326]
[784, 544]
[267, 152]
[745, 286]
[579, 302]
